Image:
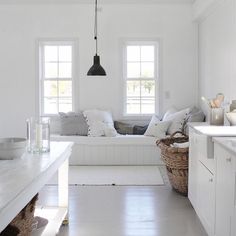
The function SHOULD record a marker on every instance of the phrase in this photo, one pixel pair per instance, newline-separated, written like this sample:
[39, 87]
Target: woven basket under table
[176, 161]
[21, 225]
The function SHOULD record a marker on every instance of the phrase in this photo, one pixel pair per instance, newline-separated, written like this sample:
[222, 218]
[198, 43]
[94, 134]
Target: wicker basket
[176, 160]
[21, 225]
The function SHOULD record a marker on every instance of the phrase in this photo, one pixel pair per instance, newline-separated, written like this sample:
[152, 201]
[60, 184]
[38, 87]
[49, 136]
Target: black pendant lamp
[96, 68]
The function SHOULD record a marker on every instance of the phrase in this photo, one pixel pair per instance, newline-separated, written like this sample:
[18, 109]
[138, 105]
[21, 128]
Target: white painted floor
[126, 211]
[113, 175]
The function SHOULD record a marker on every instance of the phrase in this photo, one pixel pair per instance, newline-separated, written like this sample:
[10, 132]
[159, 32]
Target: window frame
[156, 78]
[41, 69]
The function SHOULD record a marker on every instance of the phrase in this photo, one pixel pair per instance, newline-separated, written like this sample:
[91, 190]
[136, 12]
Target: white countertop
[214, 131]
[22, 178]
[229, 143]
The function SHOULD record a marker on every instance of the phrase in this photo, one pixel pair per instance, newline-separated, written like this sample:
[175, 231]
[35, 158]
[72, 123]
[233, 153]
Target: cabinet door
[206, 198]
[225, 179]
[233, 221]
[193, 165]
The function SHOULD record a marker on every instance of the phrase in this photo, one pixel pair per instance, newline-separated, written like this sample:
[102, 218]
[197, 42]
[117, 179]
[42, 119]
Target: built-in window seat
[119, 150]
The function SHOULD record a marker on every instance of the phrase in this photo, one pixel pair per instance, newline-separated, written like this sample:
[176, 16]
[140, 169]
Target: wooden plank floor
[126, 211]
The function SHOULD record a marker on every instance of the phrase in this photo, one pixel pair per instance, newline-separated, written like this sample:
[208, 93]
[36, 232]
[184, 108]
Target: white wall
[201, 8]
[21, 26]
[217, 57]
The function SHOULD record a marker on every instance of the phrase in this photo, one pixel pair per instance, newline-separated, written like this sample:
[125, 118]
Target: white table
[23, 178]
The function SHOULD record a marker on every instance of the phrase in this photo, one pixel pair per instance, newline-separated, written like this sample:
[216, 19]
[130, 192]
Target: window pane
[51, 53]
[147, 70]
[148, 105]
[65, 104]
[65, 70]
[65, 53]
[50, 106]
[133, 53]
[65, 88]
[50, 88]
[133, 70]
[51, 70]
[148, 88]
[133, 88]
[133, 106]
[147, 53]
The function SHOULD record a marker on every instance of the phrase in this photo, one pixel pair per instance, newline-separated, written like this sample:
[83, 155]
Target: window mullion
[42, 74]
[140, 81]
[58, 71]
[56, 79]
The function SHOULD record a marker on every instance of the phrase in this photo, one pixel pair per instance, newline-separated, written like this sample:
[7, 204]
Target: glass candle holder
[216, 116]
[38, 135]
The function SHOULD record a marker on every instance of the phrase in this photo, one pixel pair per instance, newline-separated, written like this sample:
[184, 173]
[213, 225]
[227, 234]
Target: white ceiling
[92, 1]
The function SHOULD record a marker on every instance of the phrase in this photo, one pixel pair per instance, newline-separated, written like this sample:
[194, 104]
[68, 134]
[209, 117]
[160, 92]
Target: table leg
[63, 188]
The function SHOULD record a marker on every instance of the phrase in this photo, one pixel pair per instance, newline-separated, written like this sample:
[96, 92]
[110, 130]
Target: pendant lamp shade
[96, 68]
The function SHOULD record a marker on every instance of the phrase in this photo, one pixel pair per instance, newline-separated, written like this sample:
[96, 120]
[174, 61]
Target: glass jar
[38, 135]
[233, 105]
[217, 116]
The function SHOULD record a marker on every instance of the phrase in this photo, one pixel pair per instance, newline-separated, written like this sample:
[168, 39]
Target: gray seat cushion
[123, 128]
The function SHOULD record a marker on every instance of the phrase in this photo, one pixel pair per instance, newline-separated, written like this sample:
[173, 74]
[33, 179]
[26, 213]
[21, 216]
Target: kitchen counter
[213, 130]
[212, 169]
[229, 143]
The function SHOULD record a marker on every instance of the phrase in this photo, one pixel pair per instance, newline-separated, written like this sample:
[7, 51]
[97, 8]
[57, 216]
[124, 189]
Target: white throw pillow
[98, 121]
[157, 128]
[177, 120]
[110, 131]
[170, 111]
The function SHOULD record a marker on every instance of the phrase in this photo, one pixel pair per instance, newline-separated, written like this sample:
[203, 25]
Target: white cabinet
[206, 198]
[201, 187]
[225, 192]
[193, 165]
[212, 178]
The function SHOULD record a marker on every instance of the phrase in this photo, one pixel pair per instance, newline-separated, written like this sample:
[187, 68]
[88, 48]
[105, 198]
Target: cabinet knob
[228, 159]
[211, 180]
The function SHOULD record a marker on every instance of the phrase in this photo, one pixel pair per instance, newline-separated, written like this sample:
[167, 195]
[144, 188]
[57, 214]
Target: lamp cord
[96, 25]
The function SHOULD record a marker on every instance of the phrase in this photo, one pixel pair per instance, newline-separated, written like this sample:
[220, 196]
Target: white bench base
[120, 150]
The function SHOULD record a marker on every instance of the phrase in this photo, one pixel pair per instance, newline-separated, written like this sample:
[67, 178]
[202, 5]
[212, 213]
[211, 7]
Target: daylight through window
[140, 77]
[56, 77]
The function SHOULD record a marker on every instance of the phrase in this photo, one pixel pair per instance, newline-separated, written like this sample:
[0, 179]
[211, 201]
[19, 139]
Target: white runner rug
[113, 175]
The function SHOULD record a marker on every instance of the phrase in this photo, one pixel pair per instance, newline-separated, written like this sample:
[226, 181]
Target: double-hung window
[56, 77]
[140, 77]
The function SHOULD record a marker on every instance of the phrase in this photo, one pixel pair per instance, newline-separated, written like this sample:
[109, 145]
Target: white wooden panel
[115, 155]
[206, 198]
[224, 192]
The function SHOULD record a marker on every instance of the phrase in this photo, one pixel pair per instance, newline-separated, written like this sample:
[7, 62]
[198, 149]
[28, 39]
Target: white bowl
[12, 148]
[231, 117]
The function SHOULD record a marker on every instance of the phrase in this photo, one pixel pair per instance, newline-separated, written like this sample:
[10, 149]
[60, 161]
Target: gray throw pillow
[123, 128]
[139, 129]
[73, 124]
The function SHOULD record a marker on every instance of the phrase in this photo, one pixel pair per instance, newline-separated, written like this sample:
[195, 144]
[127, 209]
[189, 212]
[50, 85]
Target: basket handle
[178, 132]
[171, 136]
[158, 141]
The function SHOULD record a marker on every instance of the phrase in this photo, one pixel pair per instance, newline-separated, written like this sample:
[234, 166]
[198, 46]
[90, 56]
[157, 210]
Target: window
[140, 72]
[56, 77]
